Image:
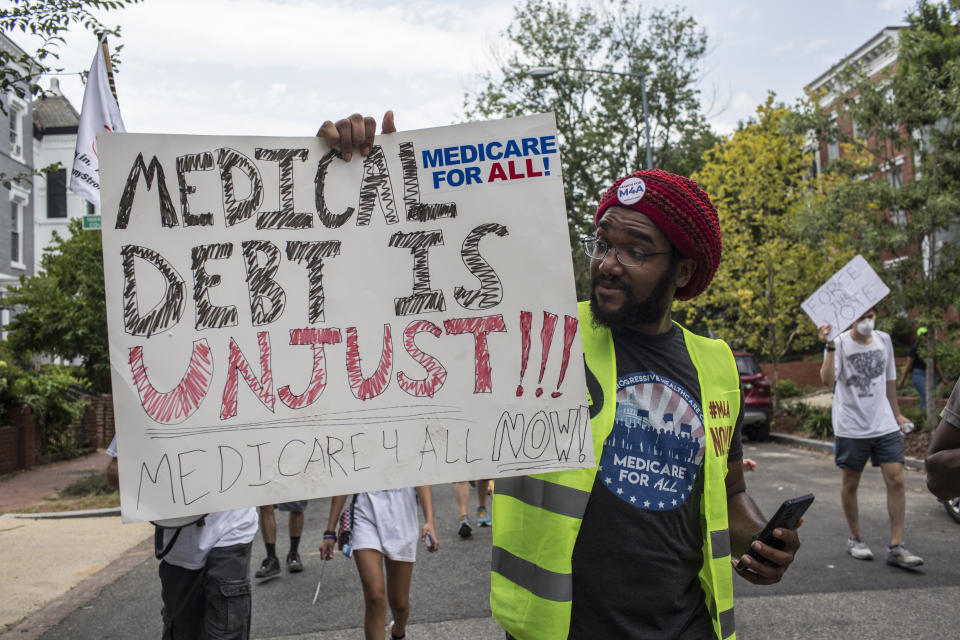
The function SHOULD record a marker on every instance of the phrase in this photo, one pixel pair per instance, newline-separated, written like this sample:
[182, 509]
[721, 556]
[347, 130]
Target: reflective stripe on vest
[538, 517]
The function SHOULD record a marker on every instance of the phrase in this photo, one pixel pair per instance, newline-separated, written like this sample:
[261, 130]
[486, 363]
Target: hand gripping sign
[846, 296]
[285, 325]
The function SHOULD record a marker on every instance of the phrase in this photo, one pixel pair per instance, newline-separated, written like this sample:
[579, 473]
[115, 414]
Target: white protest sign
[284, 325]
[846, 296]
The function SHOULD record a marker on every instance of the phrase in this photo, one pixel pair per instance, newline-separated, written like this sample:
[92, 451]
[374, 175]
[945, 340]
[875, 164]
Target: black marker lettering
[490, 292]
[185, 164]
[162, 316]
[238, 211]
[267, 298]
[168, 216]
[424, 299]
[209, 315]
[286, 217]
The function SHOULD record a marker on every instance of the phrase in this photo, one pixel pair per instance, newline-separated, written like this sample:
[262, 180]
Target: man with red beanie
[643, 545]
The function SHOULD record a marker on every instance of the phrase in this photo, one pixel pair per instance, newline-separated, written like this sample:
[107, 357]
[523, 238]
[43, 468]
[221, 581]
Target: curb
[90, 513]
[826, 446]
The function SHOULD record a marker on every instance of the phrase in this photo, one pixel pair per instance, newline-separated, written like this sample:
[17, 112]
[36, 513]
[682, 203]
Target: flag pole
[106, 61]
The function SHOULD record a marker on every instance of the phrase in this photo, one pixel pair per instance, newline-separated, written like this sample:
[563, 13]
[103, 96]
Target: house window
[895, 178]
[16, 226]
[15, 111]
[57, 193]
[91, 210]
[833, 150]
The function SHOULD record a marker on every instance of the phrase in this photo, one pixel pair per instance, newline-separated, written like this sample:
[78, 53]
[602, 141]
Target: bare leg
[398, 593]
[370, 567]
[848, 498]
[482, 493]
[296, 524]
[896, 499]
[461, 493]
[268, 524]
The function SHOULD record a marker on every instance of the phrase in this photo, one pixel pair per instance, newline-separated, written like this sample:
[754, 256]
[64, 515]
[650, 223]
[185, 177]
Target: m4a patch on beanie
[631, 190]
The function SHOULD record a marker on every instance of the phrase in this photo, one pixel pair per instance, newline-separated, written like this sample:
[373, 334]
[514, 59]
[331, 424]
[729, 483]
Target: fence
[20, 439]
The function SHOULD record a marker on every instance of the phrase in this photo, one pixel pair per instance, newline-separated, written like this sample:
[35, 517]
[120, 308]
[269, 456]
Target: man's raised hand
[354, 133]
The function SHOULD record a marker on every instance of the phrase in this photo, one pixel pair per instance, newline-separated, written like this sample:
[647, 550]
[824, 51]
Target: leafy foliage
[61, 311]
[599, 115]
[815, 421]
[48, 20]
[912, 113]
[55, 402]
[760, 181]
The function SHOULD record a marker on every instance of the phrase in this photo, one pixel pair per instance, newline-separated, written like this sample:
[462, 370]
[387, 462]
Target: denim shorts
[853, 453]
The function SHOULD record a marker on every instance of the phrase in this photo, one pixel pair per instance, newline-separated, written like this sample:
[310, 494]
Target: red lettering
[262, 388]
[479, 327]
[316, 338]
[367, 388]
[513, 173]
[496, 173]
[180, 403]
[436, 373]
[530, 172]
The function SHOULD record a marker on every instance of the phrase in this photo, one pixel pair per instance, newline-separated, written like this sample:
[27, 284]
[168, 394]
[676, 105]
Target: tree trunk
[774, 352]
[930, 387]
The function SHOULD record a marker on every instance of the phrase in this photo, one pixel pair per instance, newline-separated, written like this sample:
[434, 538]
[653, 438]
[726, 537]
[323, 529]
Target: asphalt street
[826, 593]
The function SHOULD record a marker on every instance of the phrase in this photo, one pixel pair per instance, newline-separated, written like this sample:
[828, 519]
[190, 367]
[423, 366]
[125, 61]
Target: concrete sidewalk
[45, 560]
[26, 488]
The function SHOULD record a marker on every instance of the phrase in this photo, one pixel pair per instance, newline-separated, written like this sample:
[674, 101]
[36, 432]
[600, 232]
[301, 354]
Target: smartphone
[786, 517]
[429, 542]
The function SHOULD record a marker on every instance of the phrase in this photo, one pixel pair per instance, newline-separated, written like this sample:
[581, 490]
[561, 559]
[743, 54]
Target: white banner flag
[100, 113]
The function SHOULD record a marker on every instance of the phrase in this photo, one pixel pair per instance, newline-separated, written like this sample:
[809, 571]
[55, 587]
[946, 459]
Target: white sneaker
[859, 549]
[900, 556]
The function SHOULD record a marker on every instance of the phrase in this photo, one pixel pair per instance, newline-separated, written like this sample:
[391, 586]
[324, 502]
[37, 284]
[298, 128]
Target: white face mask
[865, 326]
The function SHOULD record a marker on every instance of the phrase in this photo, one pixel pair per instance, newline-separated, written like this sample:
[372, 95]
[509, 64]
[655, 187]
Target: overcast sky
[280, 67]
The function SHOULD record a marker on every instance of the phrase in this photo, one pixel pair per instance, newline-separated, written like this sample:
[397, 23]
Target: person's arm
[907, 367]
[827, 368]
[745, 520]
[943, 461]
[943, 457]
[936, 367]
[113, 474]
[894, 403]
[336, 507]
[425, 493]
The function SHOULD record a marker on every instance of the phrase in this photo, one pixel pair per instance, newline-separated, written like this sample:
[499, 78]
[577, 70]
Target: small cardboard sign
[846, 296]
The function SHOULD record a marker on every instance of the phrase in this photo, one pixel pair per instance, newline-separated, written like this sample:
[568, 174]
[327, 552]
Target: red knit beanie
[679, 208]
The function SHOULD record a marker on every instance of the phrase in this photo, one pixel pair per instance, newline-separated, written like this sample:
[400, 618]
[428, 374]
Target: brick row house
[876, 58]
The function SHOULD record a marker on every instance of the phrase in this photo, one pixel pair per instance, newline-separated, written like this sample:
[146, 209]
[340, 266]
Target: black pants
[212, 602]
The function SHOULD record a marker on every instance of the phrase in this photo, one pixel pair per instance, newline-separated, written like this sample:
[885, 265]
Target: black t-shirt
[918, 362]
[638, 555]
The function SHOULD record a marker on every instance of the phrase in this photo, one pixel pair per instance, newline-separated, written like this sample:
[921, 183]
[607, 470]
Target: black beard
[648, 311]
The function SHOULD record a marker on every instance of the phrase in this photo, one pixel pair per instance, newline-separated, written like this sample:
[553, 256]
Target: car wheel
[757, 432]
[953, 508]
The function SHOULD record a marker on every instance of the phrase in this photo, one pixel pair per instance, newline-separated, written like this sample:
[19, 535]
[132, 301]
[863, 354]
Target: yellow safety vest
[537, 518]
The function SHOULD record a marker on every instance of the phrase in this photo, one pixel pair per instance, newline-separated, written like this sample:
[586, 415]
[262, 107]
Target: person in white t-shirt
[867, 424]
[205, 573]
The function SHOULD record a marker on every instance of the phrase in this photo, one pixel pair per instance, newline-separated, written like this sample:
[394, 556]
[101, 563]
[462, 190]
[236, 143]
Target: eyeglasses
[631, 257]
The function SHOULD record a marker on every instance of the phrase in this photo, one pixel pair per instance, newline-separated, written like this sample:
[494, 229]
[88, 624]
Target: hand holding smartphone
[787, 517]
[428, 540]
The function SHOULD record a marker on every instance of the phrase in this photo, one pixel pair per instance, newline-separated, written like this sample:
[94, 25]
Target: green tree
[600, 116]
[47, 20]
[61, 311]
[760, 181]
[913, 111]
[44, 22]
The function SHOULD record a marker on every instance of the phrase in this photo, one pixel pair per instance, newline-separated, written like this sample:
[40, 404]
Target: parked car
[757, 402]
